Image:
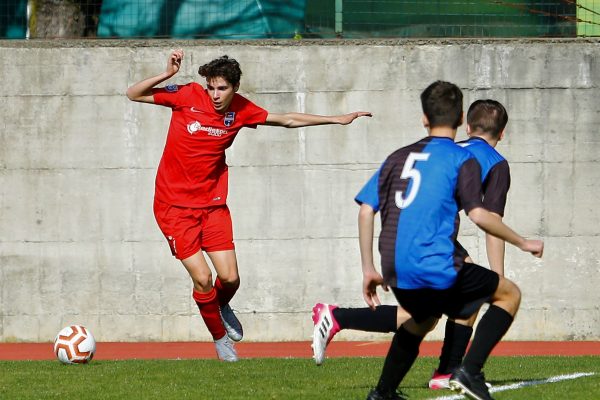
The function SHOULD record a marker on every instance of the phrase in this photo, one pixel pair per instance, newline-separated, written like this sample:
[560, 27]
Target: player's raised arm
[142, 91]
[298, 120]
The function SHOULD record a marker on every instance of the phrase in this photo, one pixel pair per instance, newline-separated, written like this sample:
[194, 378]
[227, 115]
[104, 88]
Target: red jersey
[192, 171]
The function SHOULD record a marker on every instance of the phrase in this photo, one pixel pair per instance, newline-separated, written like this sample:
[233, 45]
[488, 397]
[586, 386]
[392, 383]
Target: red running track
[191, 350]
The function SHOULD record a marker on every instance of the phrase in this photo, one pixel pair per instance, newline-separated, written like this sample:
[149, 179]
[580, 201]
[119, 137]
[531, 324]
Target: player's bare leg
[225, 263]
[199, 271]
[507, 296]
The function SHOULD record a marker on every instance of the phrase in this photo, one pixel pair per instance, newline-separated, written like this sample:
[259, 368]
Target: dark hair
[225, 67]
[442, 104]
[487, 116]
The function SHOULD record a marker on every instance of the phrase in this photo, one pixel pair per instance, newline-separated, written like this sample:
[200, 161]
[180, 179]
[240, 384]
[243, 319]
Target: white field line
[519, 385]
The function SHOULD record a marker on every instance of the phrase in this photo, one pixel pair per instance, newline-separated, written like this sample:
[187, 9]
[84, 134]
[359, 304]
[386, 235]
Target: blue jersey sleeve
[369, 194]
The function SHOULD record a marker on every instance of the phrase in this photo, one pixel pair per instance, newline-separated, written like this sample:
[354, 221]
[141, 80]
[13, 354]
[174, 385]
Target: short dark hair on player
[442, 104]
[487, 116]
[225, 67]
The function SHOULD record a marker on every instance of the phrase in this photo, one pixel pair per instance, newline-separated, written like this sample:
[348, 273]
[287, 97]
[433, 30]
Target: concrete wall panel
[78, 240]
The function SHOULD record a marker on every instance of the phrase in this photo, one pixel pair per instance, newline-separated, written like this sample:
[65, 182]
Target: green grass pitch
[337, 378]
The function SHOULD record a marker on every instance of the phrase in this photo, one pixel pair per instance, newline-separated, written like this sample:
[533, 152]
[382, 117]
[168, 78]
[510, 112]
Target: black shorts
[474, 286]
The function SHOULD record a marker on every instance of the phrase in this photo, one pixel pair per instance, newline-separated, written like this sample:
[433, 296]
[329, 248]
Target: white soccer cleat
[325, 329]
[231, 323]
[225, 349]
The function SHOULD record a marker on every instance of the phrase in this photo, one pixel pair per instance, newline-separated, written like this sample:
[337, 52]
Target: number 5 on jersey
[409, 172]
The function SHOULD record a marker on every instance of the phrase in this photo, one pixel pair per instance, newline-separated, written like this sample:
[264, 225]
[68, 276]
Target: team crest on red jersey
[229, 118]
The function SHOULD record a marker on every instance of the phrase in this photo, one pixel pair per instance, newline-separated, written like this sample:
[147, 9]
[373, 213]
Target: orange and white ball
[74, 345]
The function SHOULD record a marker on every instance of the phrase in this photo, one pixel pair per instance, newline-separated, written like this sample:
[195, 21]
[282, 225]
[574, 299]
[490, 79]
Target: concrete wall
[79, 244]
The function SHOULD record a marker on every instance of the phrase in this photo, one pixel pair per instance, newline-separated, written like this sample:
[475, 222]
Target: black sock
[401, 356]
[382, 319]
[456, 340]
[493, 325]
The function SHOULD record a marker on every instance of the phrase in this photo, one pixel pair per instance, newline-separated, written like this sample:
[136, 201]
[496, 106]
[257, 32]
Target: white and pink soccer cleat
[325, 329]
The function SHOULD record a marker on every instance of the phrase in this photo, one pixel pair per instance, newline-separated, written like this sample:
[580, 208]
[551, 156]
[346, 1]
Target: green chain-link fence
[253, 19]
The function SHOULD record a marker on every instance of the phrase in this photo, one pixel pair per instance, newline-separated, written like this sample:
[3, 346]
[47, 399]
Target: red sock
[208, 304]
[225, 292]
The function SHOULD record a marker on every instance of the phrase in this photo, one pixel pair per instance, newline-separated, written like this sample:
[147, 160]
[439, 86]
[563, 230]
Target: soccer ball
[74, 345]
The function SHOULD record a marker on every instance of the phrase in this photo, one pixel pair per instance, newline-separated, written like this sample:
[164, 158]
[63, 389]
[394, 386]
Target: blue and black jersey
[495, 173]
[419, 190]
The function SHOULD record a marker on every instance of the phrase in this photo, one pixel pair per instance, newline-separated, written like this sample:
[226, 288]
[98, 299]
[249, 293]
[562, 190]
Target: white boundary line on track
[522, 384]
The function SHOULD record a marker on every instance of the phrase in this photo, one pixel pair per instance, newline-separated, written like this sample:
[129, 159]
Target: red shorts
[189, 230]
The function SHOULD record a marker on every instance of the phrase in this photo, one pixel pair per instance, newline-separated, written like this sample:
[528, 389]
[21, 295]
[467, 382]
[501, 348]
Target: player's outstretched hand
[348, 118]
[535, 247]
[174, 62]
[370, 282]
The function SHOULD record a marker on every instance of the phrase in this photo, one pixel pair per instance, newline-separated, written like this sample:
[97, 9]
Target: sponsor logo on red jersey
[196, 126]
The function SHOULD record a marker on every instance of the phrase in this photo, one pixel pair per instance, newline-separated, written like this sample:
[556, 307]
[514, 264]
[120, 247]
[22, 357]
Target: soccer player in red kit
[190, 201]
